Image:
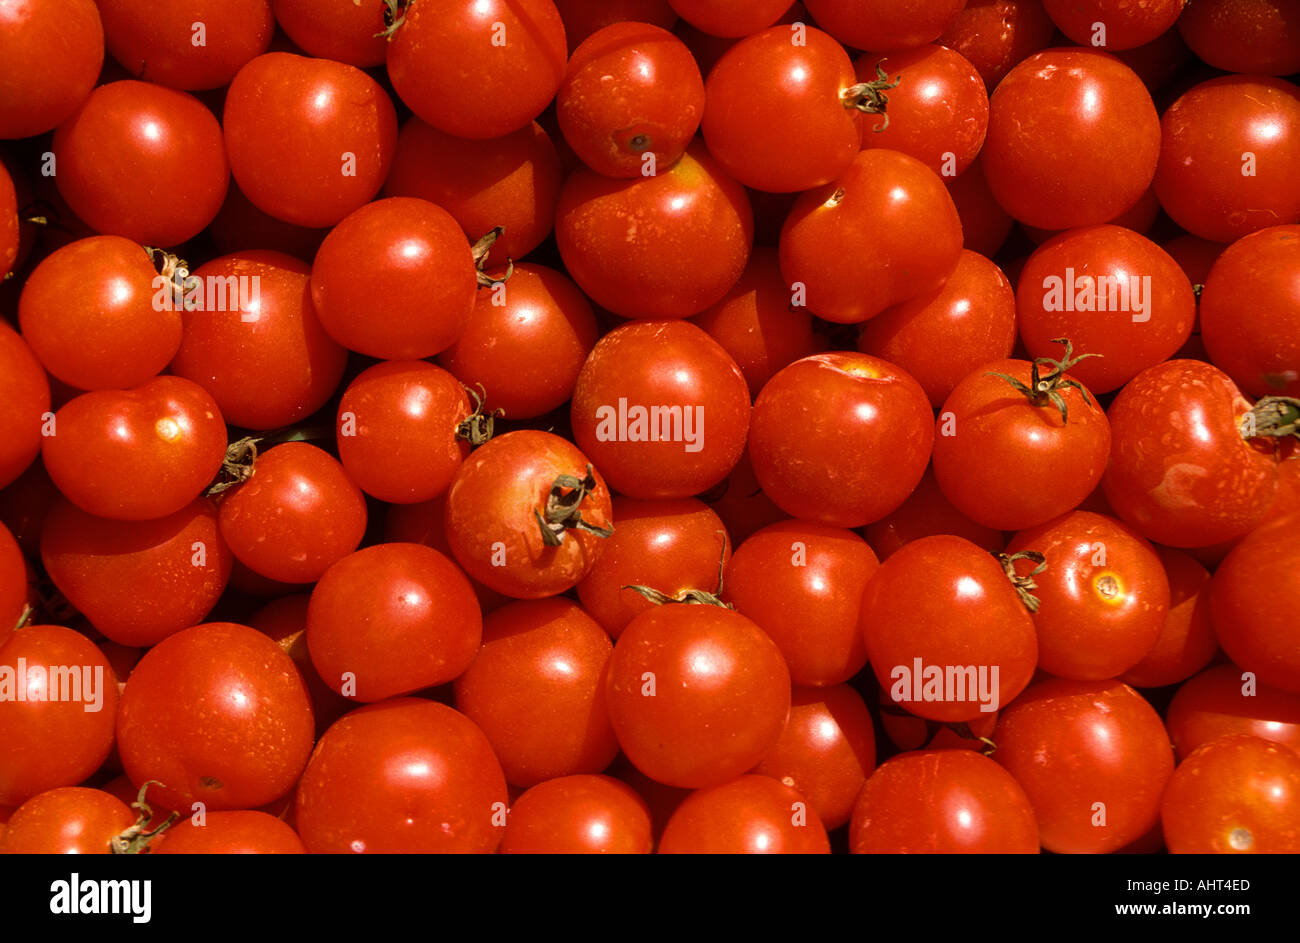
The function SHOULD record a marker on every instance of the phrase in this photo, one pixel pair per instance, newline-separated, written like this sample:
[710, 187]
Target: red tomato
[885, 24]
[943, 802]
[241, 227]
[927, 512]
[730, 17]
[1187, 642]
[25, 391]
[284, 620]
[53, 52]
[229, 833]
[1224, 700]
[584, 17]
[25, 503]
[13, 584]
[67, 821]
[343, 30]
[426, 523]
[985, 225]
[1156, 63]
[752, 815]
[996, 34]
[909, 732]
[1113, 24]
[10, 237]
[1244, 35]
[740, 503]
[579, 815]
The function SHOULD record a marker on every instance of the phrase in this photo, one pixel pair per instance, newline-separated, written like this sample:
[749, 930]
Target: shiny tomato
[53, 52]
[1224, 700]
[426, 523]
[1187, 642]
[1122, 25]
[579, 815]
[229, 833]
[927, 512]
[885, 24]
[729, 18]
[584, 17]
[995, 35]
[343, 30]
[1244, 35]
[752, 815]
[70, 820]
[25, 391]
[284, 620]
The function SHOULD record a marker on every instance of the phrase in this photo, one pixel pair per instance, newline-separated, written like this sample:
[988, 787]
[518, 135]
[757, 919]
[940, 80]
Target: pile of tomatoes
[632, 425]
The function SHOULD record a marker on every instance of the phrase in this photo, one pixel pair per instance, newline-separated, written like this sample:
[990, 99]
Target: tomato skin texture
[536, 689]
[270, 364]
[284, 621]
[257, 729]
[53, 53]
[579, 815]
[872, 211]
[1186, 485]
[393, 618]
[320, 111]
[651, 364]
[729, 18]
[985, 224]
[750, 815]
[1050, 111]
[137, 581]
[70, 820]
[584, 17]
[402, 776]
[52, 743]
[455, 67]
[1234, 795]
[722, 694]
[1071, 744]
[1222, 702]
[995, 35]
[885, 24]
[1127, 26]
[25, 391]
[1187, 642]
[295, 516]
[336, 29]
[622, 240]
[229, 833]
[927, 512]
[943, 802]
[1250, 312]
[13, 582]
[1243, 35]
[139, 454]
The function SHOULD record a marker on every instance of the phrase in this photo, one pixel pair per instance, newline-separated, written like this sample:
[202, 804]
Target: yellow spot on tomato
[168, 429]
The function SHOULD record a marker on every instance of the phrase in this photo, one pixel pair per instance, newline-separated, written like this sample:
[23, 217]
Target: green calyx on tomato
[564, 511]
[135, 840]
[870, 98]
[1046, 389]
[1276, 417]
[690, 597]
[1025, 584]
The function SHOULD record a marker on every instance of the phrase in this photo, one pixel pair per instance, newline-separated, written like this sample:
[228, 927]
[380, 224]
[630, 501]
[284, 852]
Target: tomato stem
[478, 426]
[394, 16]
[870, 97]
[564, 512]
[135, 840]
[173, 268]
[1024, 584]
[690, 597]
[241, 455]
[480, 250]
[1276, 417]
[1046, 389]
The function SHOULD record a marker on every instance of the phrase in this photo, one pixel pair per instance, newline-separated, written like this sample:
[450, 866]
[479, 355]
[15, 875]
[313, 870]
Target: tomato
[697, 694]
[826, 751]
[56, 721]
[1058, 108]
[885, 24]
[136, 454]
[995, 35]
[1228, 157]
[1113, 293]
[53, 52]
[1250, 312]
[309, 140]
[584, 17]
[623, 240]
[927, 512]
[1234, 795]
[526, 515]
[661, 409]
[229, 833]
[525, 343]
[1156, 63]
[296, 514]
[579, 815]
[402, 776]
[342, 30]
[884, 231]
[536, 689]
[1012, 459]
[941, 336]
[257, 728]
[985, 225]
[908, 732]
[1113, 24]
[137, 581]
[13, 584]
[478, 68]
[943, 802]
[1223, 701]
[752, 815]
[1191, 483]
[240, 227]
[1244, 35]
[730, 18]
[426, 523]
[512, 181]
[284, 620]
[802, 584]
[70, 820]
[1187, 642]
[25, 391]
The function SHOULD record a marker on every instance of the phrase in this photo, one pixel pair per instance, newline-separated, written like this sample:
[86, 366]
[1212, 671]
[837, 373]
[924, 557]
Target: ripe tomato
[943, 802]
[985, 225]
[284, 620]
[70, 820]
[309, 140]
[584, 17]
[1187, 642]
[927, 512]
[343, 30]
[995, 35]
[402, 776]
[13, 584]
[729, 18]
[241, 227]
[25, 391]
[426, 523]
[53, 52]
[11, 242]
[885, 24]
[229, 833]
[1225, 700]
[1244, 35]
[1122, 25]
[139, 454]
[257, 728]
[579, 815]
[752, 815]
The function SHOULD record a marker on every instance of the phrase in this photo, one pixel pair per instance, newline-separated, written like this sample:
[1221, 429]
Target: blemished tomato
[124, 126]
[53, 52]
[1250, 312]
[56, 722]
[25, 391]
[343, 30]
[536, 689]
[826, 751]
[885, 230]
[752, 815]
[579, 815]
[527, 514]
[137, 454]
[623, 241]
[802, 584]
[1234, 795]
[1225, 700]
[1057, 109]
[730, 18]
[402, 776]
[1092, 756]
[70, 820]
[255, 343]
[257, 728]
[1187, 642]
[390, 620]
[584, 17]
[309, 140]
[661, 409]
[1244, 35]
[927, 512]
[943, 802]
[1123, 25]
[478, 68]
[995, 35]
[229, 833]
[840, 438]
[138, 581]
[296, 514]
[943, 604]
[697, 694]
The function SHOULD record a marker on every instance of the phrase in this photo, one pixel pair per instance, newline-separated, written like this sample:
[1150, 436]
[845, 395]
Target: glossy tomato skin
[1243, 36]
[390, 620]
[257, 729]
[1124, 26]
[53, 53]
[284, 620]
[25, 389]
[943, 802]
[1234, 795]
[885, 24]
[138, 581]
[883, 231]
[1074, 744]
[1187, 642]
[840, 438]
[721, 694]
[661, 409]
[1193, 483]
[291, 123]
[995, 35]
[729, 18]
[51, 739]
[1225, 700]
[229, 833]
[402, 776]
[579, 815]
[69, 820]
[927, 512]
[138, 454]
[584, 17]
[336, 29]
[750, 815]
